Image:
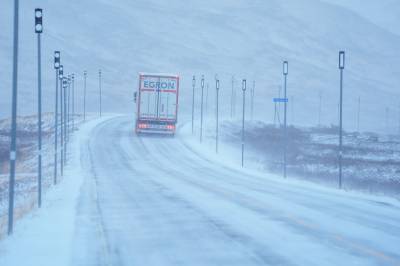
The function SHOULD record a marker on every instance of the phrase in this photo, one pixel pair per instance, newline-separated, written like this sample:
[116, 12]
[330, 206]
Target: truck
[157, 103]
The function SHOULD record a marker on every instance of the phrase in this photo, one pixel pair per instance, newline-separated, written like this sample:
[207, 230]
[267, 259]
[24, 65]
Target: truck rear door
[168, 98]
[158, 98]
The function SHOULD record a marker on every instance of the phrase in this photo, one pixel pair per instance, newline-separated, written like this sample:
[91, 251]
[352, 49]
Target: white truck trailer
[157, 103]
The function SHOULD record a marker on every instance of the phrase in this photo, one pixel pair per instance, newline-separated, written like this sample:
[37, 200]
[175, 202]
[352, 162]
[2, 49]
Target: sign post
[56, 67]
[243, 117]
[285, 73]
[341, 67]
[38, 31]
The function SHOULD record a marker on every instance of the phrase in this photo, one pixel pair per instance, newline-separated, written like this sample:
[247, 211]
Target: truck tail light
[141, 125]
[170, 127]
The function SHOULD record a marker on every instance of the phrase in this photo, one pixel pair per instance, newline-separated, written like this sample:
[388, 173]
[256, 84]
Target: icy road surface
[155, 201]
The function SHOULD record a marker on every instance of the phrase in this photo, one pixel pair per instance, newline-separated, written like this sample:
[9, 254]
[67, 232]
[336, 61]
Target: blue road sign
[281, 100]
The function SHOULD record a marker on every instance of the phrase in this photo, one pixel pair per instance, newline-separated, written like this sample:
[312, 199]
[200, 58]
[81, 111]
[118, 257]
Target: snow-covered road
[156, 201]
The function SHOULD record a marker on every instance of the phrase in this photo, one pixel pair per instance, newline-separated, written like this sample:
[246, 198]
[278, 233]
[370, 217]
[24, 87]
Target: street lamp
[56, 67]
[243, 117]
[341, 67]
[38, 31]
[285, 73]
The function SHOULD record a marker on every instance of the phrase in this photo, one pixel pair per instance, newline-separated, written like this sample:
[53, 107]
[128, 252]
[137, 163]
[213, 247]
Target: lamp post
[61, 78]
[243, 117]
[84, 95]
[56, 67]
[201, 109]
[13, 146]
[38, 31]
[193, 85]
[100, 89]
[285, 73]
[341, 68]
[217, 114]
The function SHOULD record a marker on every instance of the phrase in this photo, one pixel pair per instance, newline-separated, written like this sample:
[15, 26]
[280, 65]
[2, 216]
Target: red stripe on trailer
[150, 119]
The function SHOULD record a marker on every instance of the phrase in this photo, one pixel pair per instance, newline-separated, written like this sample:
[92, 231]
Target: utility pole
[341, 67]
[13, 148]
[285, 73]
[56, 67]
[243, 117]
[217, 114]
[38, 31]
[84, 95]
[193, 85]
[201, 109]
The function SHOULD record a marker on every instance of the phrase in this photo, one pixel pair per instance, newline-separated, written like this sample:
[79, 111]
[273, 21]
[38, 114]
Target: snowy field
[370, 160]
[26, 167]
[129, 200]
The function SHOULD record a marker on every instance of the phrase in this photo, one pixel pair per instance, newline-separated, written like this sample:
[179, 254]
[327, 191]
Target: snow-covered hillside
[248, 39]
[384, 13]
